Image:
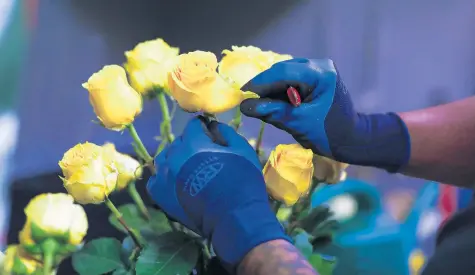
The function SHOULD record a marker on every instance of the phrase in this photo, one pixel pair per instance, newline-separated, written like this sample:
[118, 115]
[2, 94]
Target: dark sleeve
[455, 250]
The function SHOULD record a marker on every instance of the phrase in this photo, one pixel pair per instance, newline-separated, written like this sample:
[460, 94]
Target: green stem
[141, 148]
[136, 237]
[134, 255]
[260, 137]
[134, 194]
[166, 126]
[237, 120]
[49, 247]
[174, 226]
[276, 206]
[211, 116]
[302, 205]
[137, 151]
[161, 146]
[206, 252]
[139, 143]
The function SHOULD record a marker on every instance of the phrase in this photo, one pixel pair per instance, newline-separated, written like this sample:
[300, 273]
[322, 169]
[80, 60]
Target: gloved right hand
[210, 179]
[326, 121]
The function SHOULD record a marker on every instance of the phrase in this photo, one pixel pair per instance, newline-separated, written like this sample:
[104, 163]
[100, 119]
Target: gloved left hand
[210, 179]
[326, 122]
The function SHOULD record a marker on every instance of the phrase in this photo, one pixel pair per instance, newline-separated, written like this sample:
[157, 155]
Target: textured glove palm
[210, 180]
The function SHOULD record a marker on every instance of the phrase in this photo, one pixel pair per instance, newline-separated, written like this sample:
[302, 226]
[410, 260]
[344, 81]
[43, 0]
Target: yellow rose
[328, 170]
[115, 102]
[277, 57]
[288, 173]
[148, 65]
[416, 262]
[35, 250]
[128, 168]
[196, 86]
[241, 64]
[78, 156]
[90, 174]
[93, 182]
[18, 262]
[54, 216]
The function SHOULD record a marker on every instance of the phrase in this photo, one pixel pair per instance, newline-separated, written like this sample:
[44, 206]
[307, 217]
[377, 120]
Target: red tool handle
[294, 96]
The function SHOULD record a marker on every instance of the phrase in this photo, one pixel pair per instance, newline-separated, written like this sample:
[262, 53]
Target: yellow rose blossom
[241, 64]
[128, 168]
[93, 182]
[78, 156]
[25, 236]
[288, 173]
[416, 262]
[328, 170]
[56, 216]
[18, 262]
[90, 174]
[115, 102]
[35, 250]
[196, 86]
[277, 57]
[148, 65]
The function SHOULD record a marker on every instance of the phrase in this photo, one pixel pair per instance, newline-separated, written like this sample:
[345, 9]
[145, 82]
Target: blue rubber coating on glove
[316, 82]
[326, 121]
[231, 209]
[217, 191]
[162, 191]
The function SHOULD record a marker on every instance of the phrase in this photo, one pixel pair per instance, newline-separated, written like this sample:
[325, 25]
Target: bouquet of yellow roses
[56, 224]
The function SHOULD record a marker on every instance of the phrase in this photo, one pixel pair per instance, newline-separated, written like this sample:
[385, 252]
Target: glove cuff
[383, 142]
[242, 230]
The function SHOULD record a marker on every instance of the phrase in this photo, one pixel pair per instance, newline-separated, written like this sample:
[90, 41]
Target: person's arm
[443, 143]
[277, 257]
[442, 138]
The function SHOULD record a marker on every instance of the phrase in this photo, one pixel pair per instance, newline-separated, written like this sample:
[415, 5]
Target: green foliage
[323, 266]
[171, 253]
[98, 257]
[302, 242]
[158, 221]
[316, 216]
[313, 230]
[323, 233]
[128, 247]
[123, 271]
[319, 224]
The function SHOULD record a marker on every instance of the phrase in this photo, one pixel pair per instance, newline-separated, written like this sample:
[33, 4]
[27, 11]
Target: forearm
[277, 257]
[443, 143]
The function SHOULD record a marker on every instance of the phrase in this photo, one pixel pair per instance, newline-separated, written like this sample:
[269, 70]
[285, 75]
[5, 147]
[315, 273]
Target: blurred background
[393, 56]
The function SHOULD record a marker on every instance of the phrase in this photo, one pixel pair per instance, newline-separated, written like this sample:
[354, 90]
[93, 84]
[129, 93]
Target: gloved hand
[210, 179]
[326, 121]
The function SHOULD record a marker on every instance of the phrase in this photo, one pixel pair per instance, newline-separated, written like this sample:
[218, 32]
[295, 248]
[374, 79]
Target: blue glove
[210, 179]
[326, 121]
